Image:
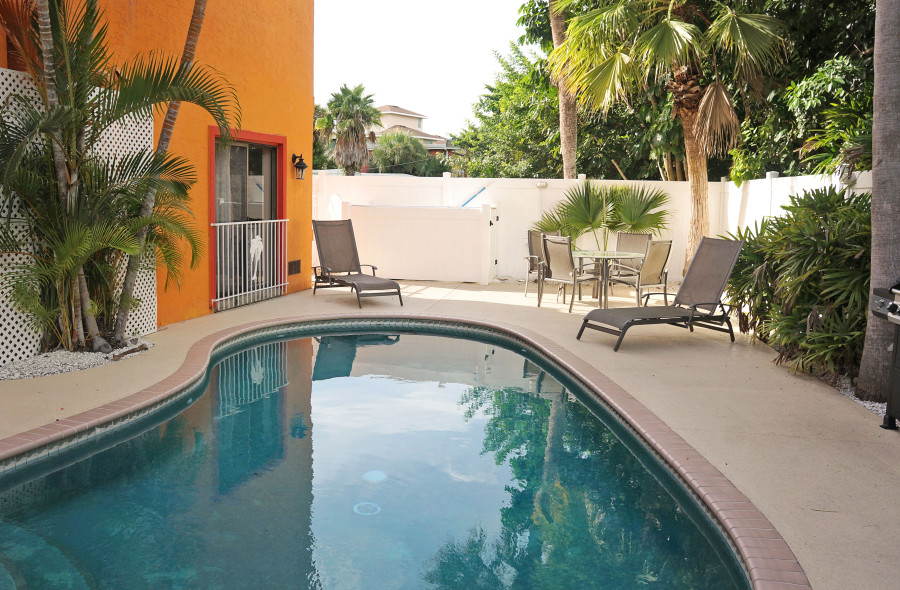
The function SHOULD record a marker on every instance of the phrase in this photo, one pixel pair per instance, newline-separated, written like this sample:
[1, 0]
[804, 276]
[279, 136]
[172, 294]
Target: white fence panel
[425, 243]
[519, 203]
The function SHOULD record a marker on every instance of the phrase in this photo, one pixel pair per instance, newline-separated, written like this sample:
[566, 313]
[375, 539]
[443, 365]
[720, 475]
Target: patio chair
[339, 263]
[560, 269]
[535, 258]
[651, 274]
[629, 242]
[698, 302]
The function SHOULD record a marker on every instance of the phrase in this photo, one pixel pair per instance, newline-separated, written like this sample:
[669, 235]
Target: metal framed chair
[560, 269]
[629, 242]
[651, 274]
[535, 258]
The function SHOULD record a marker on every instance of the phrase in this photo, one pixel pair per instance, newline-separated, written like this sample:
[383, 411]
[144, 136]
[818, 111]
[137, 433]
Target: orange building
[265, 50]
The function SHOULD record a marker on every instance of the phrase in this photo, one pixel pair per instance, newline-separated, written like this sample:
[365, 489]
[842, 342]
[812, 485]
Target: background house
[397, 119]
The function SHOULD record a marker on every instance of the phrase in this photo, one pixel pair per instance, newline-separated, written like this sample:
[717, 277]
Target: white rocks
[59, 361]
[846, 387]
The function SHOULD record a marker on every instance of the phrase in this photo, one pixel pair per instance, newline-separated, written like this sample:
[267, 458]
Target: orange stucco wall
[265, 49]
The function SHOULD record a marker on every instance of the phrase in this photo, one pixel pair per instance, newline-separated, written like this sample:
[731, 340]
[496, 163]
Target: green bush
[801, 283]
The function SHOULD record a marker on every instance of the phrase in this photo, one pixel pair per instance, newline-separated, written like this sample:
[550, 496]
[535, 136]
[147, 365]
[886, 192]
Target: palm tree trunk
[98, 342]
[51, 97]
[696, 164]
[165, 137]
[76, 314]
[568, 115]
[874, 368]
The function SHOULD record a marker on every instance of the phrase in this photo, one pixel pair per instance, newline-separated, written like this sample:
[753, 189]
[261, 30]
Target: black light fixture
[299, 166]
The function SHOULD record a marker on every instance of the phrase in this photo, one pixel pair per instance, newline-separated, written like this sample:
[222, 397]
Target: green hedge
[801, 283]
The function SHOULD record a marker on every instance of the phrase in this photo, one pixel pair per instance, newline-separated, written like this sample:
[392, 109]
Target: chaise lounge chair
[698, 302]
[339, 263]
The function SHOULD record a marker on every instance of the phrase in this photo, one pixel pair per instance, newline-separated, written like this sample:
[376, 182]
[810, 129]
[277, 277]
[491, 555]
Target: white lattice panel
[141, 320]
[17, 341]
[118, 140]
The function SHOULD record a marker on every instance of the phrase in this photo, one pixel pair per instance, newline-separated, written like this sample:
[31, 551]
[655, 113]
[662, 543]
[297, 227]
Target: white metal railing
[250, 262]
[249, 376]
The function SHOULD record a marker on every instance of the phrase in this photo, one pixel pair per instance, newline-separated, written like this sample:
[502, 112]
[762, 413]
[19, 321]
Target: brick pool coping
[765, 556]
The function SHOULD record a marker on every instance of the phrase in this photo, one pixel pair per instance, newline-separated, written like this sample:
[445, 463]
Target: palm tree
[610, 52]
[589, 207]
[400, 153]
[568, 115]
[350, 115]
[874, 372]
[162, 146]
[82, 96]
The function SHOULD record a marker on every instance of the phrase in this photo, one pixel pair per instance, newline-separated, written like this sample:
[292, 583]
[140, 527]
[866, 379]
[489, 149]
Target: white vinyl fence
[428, 243]
[515, 205]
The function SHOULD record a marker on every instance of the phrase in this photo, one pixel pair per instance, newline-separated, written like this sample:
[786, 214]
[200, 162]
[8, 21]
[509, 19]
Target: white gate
[250, 262]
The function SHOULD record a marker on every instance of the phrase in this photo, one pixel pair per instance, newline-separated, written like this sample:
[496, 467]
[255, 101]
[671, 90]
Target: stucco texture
[265, 49]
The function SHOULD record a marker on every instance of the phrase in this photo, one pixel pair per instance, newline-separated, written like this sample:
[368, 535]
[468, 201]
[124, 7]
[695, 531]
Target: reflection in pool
[371, 461]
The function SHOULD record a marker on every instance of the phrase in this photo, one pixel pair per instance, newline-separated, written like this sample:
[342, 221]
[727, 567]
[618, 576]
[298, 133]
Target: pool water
[364, 461]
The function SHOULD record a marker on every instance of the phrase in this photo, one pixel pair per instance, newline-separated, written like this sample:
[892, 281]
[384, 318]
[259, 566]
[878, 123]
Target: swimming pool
[382, 460]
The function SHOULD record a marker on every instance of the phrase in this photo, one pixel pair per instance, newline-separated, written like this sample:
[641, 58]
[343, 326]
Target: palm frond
[717, 128]
[641, 209]
[753, 40]
[669, 44]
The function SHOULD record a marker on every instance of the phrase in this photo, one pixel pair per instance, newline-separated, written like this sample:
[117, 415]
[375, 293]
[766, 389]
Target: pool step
[29, 561]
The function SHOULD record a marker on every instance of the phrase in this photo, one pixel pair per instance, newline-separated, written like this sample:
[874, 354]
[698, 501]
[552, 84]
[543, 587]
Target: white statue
[256, 251]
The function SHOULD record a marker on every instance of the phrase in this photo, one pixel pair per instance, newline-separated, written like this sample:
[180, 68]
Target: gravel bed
[60, 361]
[845, 387]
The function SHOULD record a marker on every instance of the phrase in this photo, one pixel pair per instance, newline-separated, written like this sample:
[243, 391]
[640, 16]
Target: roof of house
[414, 132]
[390, 108]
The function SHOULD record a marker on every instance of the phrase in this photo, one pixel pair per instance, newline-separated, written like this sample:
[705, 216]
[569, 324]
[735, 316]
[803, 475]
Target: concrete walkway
[815, 463]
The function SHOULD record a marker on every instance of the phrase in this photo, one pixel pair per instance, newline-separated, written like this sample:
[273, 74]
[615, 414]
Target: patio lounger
[339, 263]
[698, 302]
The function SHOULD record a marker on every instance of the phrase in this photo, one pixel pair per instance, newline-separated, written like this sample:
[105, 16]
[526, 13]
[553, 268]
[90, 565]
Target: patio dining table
[603, 258]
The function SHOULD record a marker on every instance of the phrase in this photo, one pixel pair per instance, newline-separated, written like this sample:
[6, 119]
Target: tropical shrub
[71, 213]
[589, 207]
[801, 282]
[401, 153]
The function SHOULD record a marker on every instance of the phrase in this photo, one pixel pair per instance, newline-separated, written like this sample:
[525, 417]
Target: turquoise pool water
[365, 461]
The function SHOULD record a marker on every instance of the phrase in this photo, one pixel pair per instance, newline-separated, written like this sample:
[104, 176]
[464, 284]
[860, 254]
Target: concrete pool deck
[812, 461]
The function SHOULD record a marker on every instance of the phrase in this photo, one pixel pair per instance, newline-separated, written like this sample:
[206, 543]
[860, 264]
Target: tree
[321, 159]
[53, 149]
[589, 207]
[568, 122]
[162, 146]
[400, 153]
[350, 116]
[611, 52]
[876, 360]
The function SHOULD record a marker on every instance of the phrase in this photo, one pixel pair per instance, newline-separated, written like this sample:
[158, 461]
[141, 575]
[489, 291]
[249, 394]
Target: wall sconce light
[299, 166]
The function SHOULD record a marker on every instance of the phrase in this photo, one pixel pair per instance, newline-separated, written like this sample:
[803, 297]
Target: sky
[428, 56]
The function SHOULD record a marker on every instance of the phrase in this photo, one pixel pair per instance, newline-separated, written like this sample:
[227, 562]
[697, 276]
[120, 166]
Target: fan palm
[589, 207]
[51, 152]
[610, 52]
[350, 115]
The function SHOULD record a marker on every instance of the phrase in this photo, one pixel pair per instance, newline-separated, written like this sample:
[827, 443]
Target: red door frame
[280, 143]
